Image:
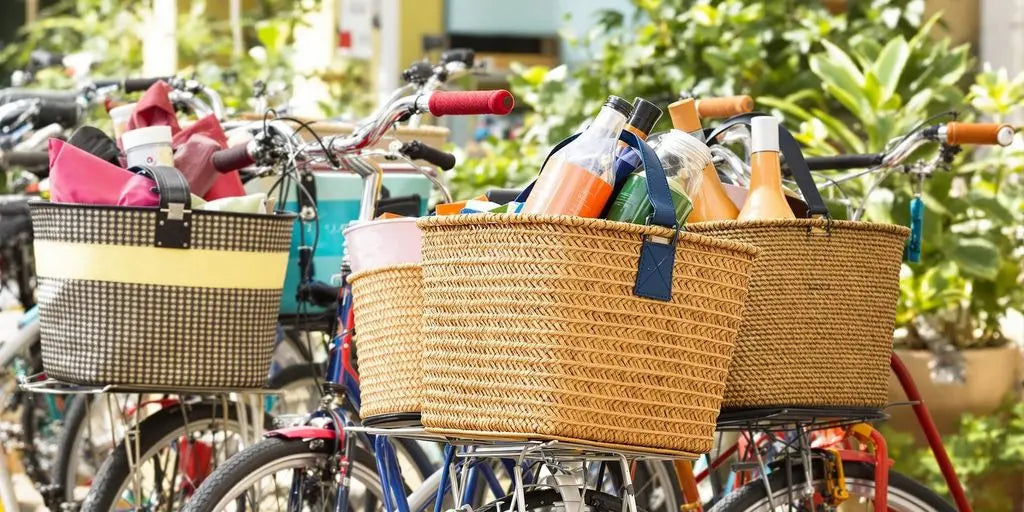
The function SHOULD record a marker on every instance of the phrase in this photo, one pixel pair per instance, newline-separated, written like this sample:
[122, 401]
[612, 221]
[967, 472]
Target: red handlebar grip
[979, 133]
[461, 103]
[233, 158]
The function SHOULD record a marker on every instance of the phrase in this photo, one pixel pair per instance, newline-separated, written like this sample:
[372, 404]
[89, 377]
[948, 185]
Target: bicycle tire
[163, 426]
[31, 459]
[543, 498]
[269, 453]
[411, 449]
[859, 476]
[60, 478]
[661, 469]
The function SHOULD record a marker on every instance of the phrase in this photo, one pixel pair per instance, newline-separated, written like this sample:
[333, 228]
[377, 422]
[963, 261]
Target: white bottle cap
[764, 134]
[148, 135]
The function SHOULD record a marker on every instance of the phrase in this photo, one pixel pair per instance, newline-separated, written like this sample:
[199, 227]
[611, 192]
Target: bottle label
[631, 204]
[569, 189]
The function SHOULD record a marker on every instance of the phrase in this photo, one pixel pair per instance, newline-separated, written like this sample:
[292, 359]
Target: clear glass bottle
[578, 180]
[683, 158]
[711, 202]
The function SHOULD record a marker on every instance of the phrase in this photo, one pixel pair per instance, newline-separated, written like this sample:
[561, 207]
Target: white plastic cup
[379, 243]
[120, 116]
[148, 146]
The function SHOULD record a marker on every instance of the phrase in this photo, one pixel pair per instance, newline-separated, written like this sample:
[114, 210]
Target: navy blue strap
[657, 185]
[790, 149]
[654, 268]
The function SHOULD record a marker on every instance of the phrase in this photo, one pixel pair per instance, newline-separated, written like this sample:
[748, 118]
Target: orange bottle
[766, 199]
[711, 201]
[579, 179]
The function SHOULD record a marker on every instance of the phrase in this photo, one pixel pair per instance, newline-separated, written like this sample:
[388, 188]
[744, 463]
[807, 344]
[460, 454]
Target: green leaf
[977, 257]
[889, 66]
[992, 208]
[852, 142]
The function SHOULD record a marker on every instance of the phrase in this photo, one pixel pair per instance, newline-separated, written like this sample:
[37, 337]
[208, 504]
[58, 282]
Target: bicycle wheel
[299, 395]
[550, 499]
[42, 424]
[264, 476]
[905, 495]
[178, 446]
[657, 489]
[297, 385]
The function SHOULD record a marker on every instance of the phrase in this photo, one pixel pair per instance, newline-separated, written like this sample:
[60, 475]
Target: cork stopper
[684, 116]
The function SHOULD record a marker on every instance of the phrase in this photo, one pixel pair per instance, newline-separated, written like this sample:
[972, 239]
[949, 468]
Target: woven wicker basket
[533, 331]
[818, 326]
[388, 303]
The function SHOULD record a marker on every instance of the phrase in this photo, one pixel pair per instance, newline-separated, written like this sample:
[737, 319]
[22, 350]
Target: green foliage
[987, 452]
[113, 32]
[704, 48]
[882, 91]
[973, 262]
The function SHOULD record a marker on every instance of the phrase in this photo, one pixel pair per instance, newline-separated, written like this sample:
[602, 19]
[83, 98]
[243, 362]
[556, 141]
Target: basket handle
[657, 185]
[654, 269]
[794, 156]
[174, 216]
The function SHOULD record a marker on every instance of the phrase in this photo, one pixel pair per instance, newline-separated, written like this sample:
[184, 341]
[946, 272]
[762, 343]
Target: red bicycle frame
[880, 458]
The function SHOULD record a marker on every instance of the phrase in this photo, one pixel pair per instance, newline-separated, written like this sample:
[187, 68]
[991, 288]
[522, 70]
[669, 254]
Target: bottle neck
[608, 122]
[636, 131]
[765, 170]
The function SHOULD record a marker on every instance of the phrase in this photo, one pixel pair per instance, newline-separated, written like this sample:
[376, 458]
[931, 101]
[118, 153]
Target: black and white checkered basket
[161, 297]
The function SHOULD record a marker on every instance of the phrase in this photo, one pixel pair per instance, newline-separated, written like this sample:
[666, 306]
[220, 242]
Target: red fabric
[192, 146]
[155, 109]
[77, 176]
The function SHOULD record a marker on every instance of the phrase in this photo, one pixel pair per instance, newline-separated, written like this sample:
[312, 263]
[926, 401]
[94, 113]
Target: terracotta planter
[992, 373]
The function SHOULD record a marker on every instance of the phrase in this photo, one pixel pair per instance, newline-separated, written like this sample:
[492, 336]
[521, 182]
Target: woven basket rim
[569, 220]
[355, 276]
[894, 229]
[278, 215]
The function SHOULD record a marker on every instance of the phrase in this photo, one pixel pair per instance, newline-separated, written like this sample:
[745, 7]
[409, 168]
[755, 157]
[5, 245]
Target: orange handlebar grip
[979, 133]
[726, 106]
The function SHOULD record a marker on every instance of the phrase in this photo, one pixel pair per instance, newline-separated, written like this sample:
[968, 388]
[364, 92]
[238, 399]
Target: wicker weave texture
[388, 304]
[819, 319]
[533, 330]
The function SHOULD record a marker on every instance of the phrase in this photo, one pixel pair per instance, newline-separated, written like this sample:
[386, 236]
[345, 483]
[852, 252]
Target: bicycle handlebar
[498, 102]
[63, 113]
[844, 162]
[417, 150]
[234, 158]
[977, 133]
[725, 106]
[19, 93]
[141, 84]
[28, 159]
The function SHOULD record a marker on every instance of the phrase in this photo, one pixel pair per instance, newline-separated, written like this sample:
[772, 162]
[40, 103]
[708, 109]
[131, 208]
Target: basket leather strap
[174, 216]
[657, 256]
[794, 157]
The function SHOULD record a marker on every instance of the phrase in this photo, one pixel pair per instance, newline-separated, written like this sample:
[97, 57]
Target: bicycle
[156, 433]
[827, 470]
[317, 458]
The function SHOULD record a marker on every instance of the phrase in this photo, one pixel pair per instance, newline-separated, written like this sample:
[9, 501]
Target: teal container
[338, 197]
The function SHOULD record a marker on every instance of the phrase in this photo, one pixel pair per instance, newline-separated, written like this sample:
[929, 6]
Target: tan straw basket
[819, 320]
[388, 308]
[533, 332]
